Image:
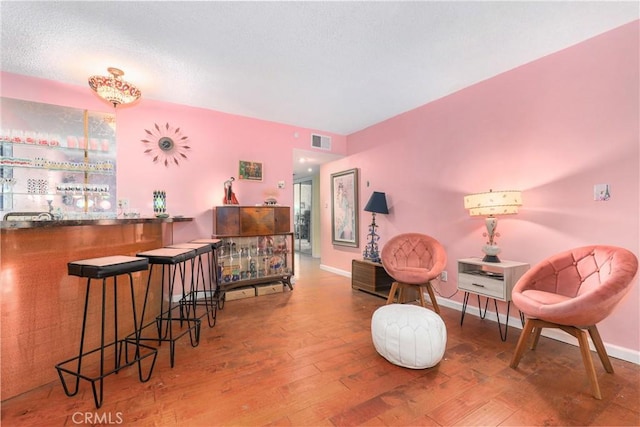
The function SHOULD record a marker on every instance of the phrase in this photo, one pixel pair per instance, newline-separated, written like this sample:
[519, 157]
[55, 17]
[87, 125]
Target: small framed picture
[251, 171]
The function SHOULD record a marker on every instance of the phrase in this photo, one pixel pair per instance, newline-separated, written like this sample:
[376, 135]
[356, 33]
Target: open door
[302, 208]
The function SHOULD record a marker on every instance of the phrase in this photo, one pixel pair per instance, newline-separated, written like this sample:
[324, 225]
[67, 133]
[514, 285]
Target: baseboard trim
[614, 351]
[335, 270]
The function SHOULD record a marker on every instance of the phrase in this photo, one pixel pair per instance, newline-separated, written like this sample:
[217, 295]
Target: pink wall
[218, 141]
[552, 128]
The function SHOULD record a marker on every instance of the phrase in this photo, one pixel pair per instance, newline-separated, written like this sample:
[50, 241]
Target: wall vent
[321, 141]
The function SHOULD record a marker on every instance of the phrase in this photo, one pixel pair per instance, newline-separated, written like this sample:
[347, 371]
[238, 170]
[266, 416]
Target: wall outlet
[443, 276]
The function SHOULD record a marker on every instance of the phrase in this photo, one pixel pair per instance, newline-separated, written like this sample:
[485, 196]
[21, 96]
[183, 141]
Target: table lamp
[489, 205]
[377, 204]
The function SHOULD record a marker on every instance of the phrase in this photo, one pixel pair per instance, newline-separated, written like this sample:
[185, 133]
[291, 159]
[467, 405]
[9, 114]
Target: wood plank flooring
[305, 358]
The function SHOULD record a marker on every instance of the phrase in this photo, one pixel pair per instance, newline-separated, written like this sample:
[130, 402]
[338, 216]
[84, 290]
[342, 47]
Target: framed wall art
[344, 208]
[251, 171]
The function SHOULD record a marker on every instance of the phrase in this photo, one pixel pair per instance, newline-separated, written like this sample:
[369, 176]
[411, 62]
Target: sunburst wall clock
[166, 144]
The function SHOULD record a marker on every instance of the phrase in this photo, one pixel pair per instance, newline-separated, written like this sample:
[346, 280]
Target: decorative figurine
[229, 195]
[253, 271]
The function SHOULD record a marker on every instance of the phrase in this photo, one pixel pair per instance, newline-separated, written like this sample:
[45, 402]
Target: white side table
[493, 280]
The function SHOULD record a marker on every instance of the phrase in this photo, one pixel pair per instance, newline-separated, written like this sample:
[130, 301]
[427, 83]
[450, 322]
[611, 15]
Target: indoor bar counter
[42, 305]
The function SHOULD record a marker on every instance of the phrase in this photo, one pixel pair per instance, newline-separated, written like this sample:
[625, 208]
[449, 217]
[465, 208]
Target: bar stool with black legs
[103, 268]
[172, 262]
[214, 274]
[201, 293]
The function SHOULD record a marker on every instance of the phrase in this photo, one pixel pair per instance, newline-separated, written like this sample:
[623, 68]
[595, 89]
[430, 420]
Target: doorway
[302, 208]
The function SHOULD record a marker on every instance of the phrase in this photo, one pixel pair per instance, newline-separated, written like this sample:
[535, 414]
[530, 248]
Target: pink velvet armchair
[573, 291]
[413, 260]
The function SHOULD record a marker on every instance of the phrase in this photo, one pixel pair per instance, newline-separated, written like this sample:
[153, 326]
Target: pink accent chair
[413, 260]
[573, 291]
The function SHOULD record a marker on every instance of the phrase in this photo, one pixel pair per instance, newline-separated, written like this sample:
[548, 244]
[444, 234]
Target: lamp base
[491, 253]
[371, 254]
[371, 250]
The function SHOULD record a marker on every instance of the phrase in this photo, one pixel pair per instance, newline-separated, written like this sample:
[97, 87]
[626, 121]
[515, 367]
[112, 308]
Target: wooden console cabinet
[370, 277]
[257, 246]
[233, 220]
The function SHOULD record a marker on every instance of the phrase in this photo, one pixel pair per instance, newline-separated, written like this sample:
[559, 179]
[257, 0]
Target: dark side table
[370, 277]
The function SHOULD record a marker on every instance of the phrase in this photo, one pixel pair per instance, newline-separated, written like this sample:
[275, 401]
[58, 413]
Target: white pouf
[409, 335]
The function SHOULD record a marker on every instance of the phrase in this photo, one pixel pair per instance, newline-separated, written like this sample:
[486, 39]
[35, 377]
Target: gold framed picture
[344, 208]
[250, 171]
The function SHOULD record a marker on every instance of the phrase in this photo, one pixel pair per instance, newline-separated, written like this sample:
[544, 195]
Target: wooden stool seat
[169, 256]
[215, 243]
[200, 248]
[107, 266]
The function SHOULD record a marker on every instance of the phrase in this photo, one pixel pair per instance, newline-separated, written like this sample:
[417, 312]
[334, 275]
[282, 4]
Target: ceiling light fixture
[113, 89]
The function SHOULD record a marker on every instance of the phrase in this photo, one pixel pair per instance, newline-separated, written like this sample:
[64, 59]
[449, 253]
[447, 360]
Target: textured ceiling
[331, 66]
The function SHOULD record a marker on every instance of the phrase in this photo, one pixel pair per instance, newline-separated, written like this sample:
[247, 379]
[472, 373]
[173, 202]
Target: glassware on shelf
[254, 258]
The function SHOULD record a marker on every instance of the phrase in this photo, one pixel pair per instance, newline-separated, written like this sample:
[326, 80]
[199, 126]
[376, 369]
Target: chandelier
[113, 89]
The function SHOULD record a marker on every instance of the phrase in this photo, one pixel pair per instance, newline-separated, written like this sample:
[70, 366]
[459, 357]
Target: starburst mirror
[166, 144]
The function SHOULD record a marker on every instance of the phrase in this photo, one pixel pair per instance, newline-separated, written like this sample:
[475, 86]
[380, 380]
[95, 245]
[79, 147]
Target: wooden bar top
[11, 225]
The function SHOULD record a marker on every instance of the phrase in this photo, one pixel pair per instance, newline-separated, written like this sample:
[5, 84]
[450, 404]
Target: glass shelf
[106, 168]
[256, 259]
[95, 146]
[47, 166]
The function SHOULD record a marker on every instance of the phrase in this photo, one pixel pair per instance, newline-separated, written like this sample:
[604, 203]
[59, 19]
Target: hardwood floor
[306, 358]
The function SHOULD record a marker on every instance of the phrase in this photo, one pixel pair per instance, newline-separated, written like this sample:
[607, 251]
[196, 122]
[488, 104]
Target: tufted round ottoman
[409, 335]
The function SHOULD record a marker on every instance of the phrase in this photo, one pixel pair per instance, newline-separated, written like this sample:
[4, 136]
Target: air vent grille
[321, 141]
